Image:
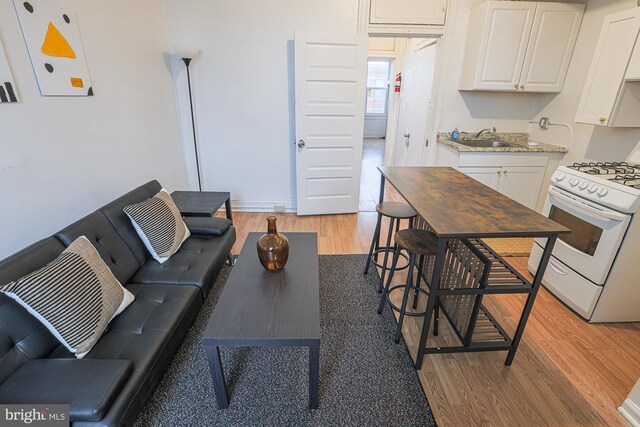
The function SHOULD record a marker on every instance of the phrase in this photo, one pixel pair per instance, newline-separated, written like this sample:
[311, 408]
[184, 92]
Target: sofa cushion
[121, 222]
[196, 263]
[89, 387]
[75, 296]
[159, 224]
[22, 336]
[112, 249]
[148, 333]
[139, 333]
[207, 226]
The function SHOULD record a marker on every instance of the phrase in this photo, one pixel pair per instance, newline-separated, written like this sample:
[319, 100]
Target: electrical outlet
[279, 208]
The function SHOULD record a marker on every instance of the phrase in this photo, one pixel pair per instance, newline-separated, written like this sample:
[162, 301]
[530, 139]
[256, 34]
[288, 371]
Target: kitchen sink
[487, 143]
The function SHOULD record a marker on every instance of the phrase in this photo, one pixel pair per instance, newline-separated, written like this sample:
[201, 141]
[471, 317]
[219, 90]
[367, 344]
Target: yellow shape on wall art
[56, 45]
[77, 82]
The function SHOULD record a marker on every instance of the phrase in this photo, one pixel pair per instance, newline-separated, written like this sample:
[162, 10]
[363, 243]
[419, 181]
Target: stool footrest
[396, 308]
[382, 251]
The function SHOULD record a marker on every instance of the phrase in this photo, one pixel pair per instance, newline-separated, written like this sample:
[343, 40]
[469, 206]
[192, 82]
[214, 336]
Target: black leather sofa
[111, 384]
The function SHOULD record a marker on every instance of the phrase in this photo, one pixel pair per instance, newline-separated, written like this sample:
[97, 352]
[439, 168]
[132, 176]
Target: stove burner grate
[606, 168]
[628, 180]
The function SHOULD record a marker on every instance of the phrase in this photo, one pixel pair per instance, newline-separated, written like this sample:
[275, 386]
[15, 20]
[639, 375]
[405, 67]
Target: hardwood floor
[566, 371]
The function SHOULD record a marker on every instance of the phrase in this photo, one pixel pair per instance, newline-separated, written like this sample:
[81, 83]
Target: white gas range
[594, 270]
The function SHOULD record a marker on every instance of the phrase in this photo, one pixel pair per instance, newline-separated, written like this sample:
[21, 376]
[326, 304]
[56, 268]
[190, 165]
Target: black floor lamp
[187, 57]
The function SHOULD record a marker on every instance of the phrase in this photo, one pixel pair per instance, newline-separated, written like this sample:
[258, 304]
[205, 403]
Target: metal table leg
[227, 206]
[380, 200]
[217, 373]
[546, 255]
[314, 374]
[431, 301]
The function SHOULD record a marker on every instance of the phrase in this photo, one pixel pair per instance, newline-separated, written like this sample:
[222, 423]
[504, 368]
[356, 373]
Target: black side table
[205, 203]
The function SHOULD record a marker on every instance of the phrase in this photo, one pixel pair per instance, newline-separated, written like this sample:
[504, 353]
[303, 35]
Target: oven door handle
[557, 268]
[586, 207]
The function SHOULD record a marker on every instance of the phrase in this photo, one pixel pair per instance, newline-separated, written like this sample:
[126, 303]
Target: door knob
[301, 143]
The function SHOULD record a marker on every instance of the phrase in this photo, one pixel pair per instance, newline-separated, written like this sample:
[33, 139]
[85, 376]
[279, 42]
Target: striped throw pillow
[159, 224]
[75, 296]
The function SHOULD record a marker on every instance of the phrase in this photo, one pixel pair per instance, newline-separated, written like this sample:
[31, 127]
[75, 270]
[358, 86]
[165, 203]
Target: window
[377, 86]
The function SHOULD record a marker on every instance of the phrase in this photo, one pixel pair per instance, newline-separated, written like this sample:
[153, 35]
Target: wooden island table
[461, 211]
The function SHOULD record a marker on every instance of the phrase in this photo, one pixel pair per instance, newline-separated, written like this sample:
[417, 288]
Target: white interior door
[416, 102]
[330, 72]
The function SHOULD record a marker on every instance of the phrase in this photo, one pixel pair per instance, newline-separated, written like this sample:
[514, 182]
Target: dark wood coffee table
[259, 308]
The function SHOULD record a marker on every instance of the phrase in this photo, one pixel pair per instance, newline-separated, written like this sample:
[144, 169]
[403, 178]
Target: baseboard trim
[631, 412]
[262, 206]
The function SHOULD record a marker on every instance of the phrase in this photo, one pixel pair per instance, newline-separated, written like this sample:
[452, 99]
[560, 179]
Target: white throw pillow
[159, 224]
[75, 296]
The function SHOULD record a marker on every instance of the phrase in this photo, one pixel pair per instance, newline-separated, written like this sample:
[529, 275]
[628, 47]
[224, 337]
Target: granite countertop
[520, 139]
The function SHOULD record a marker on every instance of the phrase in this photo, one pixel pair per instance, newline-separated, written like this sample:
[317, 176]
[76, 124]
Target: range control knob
[560, 176]
[603, 192]
[573, 182]
[593, 188]
[583, 185]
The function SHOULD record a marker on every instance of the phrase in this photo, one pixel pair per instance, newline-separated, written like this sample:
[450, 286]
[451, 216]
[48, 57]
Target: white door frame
[442, 34]
[393, 110]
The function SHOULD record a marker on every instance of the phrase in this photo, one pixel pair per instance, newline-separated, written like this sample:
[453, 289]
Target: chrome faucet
[492, 130]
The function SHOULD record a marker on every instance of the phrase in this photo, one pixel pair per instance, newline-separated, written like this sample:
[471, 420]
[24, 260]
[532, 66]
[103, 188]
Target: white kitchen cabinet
[408, 12]
[489, 176]
[633, 71]
[607, 98]
[520, 46]
[518, 175]
[520, 183]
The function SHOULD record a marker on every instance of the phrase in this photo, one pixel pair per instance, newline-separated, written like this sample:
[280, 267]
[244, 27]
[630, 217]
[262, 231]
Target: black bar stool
[395, 212]
[421, 243]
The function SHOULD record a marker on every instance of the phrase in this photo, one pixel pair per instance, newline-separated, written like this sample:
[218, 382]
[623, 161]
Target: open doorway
[399, 108]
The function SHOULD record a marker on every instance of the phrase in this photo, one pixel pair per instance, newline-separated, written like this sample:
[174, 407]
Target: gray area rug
[365, 378]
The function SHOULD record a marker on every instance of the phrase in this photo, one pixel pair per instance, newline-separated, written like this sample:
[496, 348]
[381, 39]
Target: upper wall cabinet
[408, 12]
[520, 46]
[611, 95]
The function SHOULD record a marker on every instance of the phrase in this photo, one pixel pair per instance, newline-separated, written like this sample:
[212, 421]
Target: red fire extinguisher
[398, 83]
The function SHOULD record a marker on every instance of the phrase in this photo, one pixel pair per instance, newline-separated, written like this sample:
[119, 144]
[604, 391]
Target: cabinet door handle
[521, 86]
[499, 172]
[504, 171]
[603, 119]
[516, 86]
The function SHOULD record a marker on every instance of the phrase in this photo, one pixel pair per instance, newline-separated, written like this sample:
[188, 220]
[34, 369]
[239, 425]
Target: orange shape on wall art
[77, 82]
[56, 45]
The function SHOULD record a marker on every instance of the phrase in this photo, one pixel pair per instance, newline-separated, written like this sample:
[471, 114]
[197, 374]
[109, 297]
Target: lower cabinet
[521, 183]
[519, 176]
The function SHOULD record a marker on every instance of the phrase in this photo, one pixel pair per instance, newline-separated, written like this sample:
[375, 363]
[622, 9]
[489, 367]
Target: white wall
[476, 110]
[61, 158]
[589, 142]
[244, 92]
[243, 88]
[630, 408]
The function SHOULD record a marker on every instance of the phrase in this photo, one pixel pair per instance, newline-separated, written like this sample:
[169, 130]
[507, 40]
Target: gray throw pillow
[75, 296]
[159, 225]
